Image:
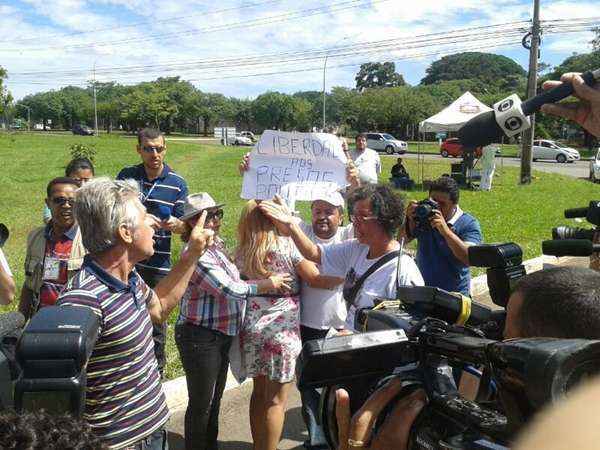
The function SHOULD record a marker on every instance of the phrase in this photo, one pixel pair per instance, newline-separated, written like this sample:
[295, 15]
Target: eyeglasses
[362, 219]
[152, 149]
[218, 214]
[60, 201]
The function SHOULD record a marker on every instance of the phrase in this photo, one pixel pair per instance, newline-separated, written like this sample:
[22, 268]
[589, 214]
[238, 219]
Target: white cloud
[192, 37]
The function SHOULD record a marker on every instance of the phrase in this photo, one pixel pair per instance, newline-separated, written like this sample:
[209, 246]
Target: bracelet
[358, 444]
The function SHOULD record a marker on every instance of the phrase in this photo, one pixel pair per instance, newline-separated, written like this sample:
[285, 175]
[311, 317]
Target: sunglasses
[152, 149]
[60, 201]
[218, 214]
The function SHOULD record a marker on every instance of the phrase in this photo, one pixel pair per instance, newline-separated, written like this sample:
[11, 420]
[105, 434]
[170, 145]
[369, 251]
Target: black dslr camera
[52, 353]
[423, 212]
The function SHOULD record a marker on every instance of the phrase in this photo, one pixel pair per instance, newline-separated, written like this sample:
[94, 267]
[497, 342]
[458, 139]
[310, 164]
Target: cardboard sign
[297, 166]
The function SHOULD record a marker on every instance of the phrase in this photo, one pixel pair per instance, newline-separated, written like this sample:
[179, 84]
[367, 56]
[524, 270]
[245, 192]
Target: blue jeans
[205, 359]
[310, 399]
[155, 441]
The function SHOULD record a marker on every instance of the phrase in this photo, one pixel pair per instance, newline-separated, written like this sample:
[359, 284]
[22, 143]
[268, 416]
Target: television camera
[427, 337]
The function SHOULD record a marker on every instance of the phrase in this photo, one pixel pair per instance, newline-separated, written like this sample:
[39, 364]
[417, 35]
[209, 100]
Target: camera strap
[351, 294]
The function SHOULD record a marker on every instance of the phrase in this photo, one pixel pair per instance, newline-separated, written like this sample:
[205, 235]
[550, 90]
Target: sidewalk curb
[176, 390]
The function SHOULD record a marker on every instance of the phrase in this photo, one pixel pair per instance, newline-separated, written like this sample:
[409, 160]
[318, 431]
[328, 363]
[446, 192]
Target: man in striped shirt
[162, 192]
[125, 404]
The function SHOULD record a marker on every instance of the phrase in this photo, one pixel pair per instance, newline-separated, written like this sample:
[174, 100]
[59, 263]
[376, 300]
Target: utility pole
[528, 135]
[95, 107]
[324, 68]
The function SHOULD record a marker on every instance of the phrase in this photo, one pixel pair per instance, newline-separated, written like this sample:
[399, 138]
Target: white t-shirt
[4, 263]
[368, 164]
[323, 308]
[338, 259]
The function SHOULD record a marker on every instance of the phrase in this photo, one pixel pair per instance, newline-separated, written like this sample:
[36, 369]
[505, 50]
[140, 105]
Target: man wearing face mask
[443, 246]
[54, 252]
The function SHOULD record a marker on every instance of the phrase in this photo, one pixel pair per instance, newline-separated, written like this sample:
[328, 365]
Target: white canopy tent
[451, 118]
[455, 115]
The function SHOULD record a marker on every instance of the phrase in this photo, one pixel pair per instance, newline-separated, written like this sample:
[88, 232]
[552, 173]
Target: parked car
[453, 147]
[595, 168]
[249, 135]
[82, 130]
[547, 149]
[386, 142]
[239, 140]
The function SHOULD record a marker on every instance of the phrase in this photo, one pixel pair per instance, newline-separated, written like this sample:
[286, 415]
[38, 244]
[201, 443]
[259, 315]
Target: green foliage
[576, 63]
[273, 110]
[488, 68]
[372, 75]
[79, 150]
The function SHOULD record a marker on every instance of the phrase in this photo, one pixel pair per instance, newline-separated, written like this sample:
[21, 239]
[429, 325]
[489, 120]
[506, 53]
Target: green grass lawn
[523, 214]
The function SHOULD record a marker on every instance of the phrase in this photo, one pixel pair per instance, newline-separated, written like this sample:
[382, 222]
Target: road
[578, 169]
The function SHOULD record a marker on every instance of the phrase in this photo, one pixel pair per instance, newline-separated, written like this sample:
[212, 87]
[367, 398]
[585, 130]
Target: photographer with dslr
[444, 233]
[562, 302]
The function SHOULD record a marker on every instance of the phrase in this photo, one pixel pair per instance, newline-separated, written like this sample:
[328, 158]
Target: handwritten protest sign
[297, 166]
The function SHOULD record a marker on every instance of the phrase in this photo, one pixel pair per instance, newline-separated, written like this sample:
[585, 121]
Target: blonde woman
[270, 335]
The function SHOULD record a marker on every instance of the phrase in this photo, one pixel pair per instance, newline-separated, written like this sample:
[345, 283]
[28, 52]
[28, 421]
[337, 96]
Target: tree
[5, 97]
[273, 110]
[486, 67]
[373, 75]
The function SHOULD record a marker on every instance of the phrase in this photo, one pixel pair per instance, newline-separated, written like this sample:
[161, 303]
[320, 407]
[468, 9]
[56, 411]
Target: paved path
[578, 169]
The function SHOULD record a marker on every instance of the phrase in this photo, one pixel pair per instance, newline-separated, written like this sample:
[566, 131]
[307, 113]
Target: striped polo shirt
[124, 397]
[165, 193]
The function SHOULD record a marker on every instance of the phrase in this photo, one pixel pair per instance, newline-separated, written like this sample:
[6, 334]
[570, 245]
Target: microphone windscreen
[163, 212]
[480, 130]
[11, 321]
[568, 247]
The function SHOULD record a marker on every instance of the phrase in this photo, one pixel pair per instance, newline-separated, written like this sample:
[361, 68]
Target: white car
[546, 149]
[386, 142]
[239, 140]
[595, 168]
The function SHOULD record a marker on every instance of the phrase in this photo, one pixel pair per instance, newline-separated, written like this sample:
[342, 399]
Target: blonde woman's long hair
[256, 237]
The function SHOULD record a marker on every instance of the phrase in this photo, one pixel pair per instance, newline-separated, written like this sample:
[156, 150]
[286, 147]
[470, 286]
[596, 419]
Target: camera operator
[562, 302]
[442, 246]
[125, 404]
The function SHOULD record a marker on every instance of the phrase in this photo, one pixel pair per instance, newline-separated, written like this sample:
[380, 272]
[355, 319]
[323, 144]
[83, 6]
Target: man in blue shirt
[162, 192]
[442, 246]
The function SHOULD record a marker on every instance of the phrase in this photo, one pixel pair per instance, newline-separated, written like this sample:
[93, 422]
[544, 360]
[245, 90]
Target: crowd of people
[106, 245]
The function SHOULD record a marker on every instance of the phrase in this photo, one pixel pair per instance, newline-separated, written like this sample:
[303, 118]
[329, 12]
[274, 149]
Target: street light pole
[95, 107]
[324, 68]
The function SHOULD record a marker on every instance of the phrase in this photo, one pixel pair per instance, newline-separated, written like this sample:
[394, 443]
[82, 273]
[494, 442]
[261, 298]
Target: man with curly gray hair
[125, 404]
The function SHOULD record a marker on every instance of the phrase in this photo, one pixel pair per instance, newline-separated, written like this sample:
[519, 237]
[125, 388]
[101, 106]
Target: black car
[82, 130]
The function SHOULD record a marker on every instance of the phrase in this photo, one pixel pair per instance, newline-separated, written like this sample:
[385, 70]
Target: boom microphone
[510, 117]
[11, 321]
[569, 247]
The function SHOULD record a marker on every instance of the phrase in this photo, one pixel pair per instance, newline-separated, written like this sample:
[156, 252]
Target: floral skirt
[270, 337]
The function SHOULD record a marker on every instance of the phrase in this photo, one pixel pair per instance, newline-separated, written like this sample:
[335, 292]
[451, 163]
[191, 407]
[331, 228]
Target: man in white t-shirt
[377, 214]
[7, 283]
[366, 160]
[321, 309]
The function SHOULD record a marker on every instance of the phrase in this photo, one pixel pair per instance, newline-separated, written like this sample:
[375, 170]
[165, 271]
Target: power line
[294, 15]
[137, 24]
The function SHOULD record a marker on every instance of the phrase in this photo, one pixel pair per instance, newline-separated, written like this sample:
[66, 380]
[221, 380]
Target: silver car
[384, 142]
[546, 149]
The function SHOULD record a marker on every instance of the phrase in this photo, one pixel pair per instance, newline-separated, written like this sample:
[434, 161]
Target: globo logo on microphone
[510, 117]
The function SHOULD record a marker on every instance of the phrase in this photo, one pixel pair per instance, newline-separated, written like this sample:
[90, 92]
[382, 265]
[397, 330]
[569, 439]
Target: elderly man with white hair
[125, 404]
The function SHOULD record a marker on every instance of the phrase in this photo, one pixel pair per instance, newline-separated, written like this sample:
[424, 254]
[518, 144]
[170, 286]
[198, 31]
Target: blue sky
[47, 44]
